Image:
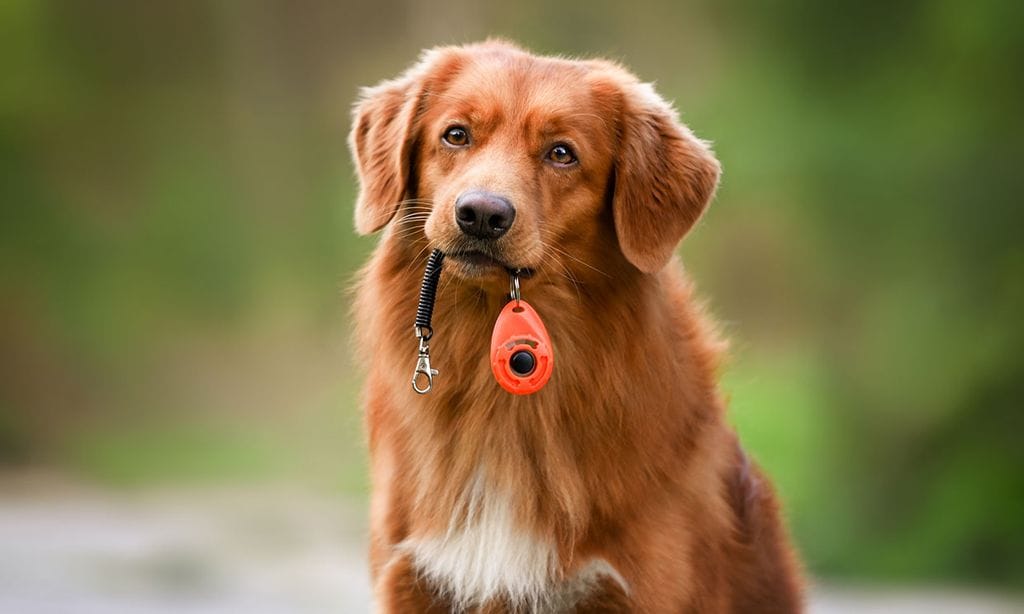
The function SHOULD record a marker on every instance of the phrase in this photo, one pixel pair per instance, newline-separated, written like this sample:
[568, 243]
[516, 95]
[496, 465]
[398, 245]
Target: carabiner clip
[423, 369]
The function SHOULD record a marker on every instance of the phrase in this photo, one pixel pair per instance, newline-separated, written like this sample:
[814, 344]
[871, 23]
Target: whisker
[406, 228]
[412, 217]
[552, 238]
[567, 274]
[409, 233]
[416, 258]
[416, 212]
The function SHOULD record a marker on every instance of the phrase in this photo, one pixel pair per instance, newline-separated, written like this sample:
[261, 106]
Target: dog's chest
[486, 554]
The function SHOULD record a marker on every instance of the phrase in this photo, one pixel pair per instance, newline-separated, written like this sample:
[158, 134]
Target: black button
[522, 362]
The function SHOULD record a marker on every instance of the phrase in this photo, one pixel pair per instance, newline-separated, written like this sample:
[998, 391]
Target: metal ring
[513, 283]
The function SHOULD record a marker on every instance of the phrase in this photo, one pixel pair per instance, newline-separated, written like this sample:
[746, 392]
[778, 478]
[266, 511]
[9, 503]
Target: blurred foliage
[175, 241]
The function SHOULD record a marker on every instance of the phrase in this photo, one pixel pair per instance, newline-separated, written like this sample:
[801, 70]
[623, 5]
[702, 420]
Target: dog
[619, 486]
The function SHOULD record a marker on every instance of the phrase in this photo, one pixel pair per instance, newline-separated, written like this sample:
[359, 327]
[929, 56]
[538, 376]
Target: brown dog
[618, 487]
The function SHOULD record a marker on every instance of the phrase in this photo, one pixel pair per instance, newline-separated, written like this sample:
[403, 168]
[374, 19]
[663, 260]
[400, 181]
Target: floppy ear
[381, 141]
[664, 179]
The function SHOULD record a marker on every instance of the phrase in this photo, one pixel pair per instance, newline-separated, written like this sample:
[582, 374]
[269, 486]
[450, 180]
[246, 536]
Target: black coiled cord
[428, 292]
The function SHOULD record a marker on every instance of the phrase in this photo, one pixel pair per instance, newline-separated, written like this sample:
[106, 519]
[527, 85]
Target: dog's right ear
[384, 134]
[381, 141]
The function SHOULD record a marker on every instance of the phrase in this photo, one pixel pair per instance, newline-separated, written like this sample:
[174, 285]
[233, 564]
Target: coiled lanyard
[423, 376]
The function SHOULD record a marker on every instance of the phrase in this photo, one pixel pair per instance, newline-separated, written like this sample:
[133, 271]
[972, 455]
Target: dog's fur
[618, 487]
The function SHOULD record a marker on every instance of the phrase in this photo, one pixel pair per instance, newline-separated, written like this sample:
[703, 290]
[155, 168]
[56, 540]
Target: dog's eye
[562, 155]
[456, 136]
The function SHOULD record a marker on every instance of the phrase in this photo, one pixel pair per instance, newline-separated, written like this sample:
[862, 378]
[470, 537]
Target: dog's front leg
[400, 590]
[608, 598]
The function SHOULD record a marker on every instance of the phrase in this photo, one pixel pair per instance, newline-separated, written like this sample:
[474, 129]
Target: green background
[176, 244]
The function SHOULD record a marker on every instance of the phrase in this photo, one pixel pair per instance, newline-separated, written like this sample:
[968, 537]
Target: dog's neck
[559, 453]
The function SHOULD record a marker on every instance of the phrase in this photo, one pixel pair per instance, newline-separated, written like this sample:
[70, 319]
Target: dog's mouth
[476, 262]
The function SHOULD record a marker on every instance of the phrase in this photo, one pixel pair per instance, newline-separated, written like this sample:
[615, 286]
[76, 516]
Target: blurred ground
[65, 548]
[68, 548]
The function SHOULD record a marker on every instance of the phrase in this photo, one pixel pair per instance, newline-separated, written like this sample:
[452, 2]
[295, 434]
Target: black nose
[484, 215]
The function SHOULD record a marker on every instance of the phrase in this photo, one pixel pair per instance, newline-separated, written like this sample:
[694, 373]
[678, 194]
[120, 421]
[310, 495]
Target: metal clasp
[513, 286]
[423, 370]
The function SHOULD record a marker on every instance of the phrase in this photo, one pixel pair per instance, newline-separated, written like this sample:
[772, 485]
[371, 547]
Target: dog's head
[508, 160]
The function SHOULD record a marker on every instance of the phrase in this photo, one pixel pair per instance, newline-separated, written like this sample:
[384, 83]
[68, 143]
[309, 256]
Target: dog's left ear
[665, 178]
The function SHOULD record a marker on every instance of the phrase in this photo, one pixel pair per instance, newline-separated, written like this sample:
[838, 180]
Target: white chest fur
[485, 555]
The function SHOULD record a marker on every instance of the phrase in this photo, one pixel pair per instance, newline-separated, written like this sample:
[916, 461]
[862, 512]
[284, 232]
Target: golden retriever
[618, 487]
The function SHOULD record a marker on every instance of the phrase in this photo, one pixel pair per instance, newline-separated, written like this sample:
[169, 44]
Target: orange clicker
[521, 356]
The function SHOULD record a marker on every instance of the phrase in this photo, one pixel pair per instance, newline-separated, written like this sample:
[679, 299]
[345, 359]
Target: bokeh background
[176, 241]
